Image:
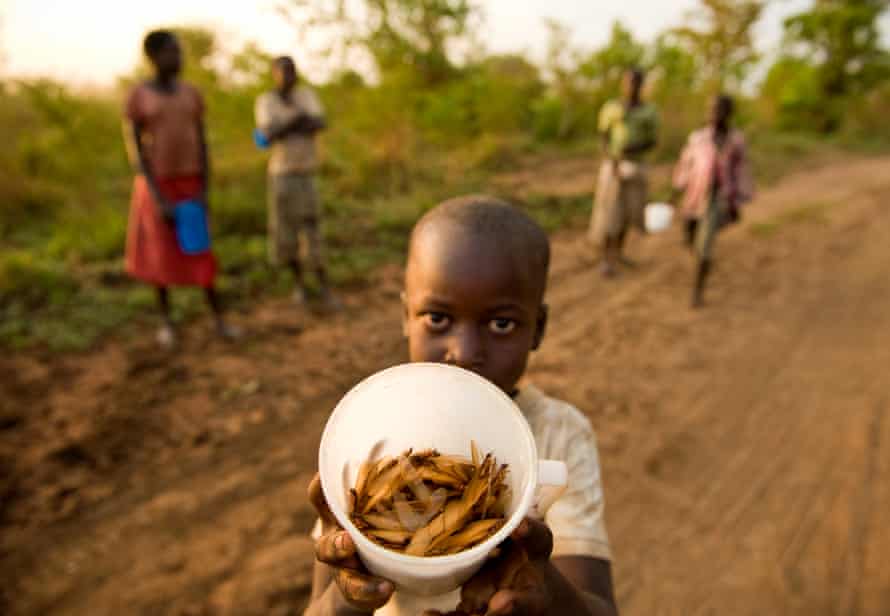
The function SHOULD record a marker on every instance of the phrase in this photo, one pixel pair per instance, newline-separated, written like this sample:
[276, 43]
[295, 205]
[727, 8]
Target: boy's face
[284, 75]
[468, 304]
[168, 59]
[630, 85]
[721, 112]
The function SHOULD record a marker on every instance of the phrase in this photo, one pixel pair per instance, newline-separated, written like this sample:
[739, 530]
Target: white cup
[658, 217]
[442, 407]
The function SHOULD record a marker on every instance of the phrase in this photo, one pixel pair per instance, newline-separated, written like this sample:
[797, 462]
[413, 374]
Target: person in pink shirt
[714, 176]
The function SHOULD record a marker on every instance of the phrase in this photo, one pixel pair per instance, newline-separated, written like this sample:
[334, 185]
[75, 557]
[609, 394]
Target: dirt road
[745, 447]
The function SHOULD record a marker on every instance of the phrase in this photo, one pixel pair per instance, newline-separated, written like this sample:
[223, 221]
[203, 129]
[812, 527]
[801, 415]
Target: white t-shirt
[563, 433]
[295, 153]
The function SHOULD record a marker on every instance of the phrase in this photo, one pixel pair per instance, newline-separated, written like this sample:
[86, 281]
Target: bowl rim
[437, 562]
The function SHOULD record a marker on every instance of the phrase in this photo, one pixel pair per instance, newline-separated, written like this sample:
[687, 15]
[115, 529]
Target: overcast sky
[92, 41]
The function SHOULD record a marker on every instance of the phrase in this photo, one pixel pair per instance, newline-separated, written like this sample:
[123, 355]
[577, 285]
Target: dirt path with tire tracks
[745, 447]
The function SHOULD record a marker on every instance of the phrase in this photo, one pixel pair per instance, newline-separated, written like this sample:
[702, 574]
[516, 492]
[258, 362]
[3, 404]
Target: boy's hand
[336, 549]
[168, 212]
[517, 582]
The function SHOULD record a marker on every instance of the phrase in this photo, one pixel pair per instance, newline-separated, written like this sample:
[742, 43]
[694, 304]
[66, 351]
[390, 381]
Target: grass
[62, 287]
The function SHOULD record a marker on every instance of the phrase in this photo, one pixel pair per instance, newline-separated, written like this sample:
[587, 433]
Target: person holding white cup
[474, 290]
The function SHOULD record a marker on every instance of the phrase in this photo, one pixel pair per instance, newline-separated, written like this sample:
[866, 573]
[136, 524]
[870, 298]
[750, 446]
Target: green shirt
[627, 127]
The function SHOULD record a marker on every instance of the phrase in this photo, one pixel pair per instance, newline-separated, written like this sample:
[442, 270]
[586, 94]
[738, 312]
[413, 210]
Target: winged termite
[472, 534]
[383, 487]
[427, 504]
[433, 475]
[381, 521]
[392, 536]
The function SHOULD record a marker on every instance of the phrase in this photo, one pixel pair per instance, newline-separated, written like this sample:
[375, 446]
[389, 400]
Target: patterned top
[295, 153]
[625, 127]
[705, 170]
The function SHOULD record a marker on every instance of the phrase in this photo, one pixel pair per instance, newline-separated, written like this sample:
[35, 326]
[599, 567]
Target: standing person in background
[164, 132]
[289, 118]
[628, 128]
[714, 174]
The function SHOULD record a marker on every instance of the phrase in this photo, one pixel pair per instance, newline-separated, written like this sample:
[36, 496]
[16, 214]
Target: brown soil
[741, 444]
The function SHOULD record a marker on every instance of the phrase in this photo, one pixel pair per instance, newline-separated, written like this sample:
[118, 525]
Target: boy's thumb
[535, 537]
[316, 497]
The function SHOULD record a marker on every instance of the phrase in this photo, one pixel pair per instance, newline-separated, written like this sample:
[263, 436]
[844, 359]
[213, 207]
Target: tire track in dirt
[743, 517]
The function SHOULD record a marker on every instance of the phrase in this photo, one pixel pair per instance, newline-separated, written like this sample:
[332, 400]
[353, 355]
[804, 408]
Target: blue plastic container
[192, 230]
[260, 139]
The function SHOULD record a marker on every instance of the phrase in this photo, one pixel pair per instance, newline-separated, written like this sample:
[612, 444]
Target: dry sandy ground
[745, 447]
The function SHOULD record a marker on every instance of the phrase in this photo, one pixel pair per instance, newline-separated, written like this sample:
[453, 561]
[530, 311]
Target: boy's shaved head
[156, 40]
[474, 288]
[495, 222]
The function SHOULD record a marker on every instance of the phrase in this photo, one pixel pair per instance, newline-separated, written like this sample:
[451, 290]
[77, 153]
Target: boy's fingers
[496, 574]
[526, 597]
[316, 497]
[335, 548]
[517, 603]
[364, 591]
[535, 537]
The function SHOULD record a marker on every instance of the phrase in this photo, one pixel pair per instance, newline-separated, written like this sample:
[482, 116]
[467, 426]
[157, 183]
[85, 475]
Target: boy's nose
[465, 349]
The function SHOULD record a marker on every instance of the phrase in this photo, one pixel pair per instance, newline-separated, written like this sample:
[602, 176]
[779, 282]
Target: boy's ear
[404, 299]
[540, 326]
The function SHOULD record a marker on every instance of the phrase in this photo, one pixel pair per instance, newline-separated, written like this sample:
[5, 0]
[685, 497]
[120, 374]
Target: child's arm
[326, 599]
[682, 170]
[340, 586]
[133, 135]
[593, 577]
[744, 179]
[205, 162]
[525, 581]
[303, 124]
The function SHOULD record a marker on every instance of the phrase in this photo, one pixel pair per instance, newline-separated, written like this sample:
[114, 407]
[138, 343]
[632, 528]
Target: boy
[713, 171]
[164, 133]
[629, 129]
[474, 289]
[290, 117]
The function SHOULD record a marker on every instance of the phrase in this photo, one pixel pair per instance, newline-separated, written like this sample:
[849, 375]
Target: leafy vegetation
[429, 116]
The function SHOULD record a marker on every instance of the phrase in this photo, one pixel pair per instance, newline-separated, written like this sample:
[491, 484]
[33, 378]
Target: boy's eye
[502, 326]
[436, 321]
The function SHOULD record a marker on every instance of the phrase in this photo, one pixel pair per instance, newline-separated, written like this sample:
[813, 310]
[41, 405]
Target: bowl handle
[553, 477]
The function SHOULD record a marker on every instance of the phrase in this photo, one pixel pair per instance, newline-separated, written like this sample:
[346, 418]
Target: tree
[842, 39]
[396, 34]
[720, 35]
[606, 66]
[200, 51]
[582, 82]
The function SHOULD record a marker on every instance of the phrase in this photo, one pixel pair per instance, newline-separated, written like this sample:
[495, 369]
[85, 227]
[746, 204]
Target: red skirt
[153, 254]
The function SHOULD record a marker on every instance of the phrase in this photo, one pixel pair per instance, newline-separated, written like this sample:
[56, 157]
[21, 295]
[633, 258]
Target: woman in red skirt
[169, 150]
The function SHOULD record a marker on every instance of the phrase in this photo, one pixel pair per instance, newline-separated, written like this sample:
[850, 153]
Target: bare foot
[330, 302]
[229, 332]
[607, 270]
[166, 337]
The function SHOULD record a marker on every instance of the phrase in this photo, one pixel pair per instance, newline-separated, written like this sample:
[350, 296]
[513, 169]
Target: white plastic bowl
[658, 217]
[430, 406]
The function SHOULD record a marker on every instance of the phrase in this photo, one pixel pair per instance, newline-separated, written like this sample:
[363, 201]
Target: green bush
[30, 281]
